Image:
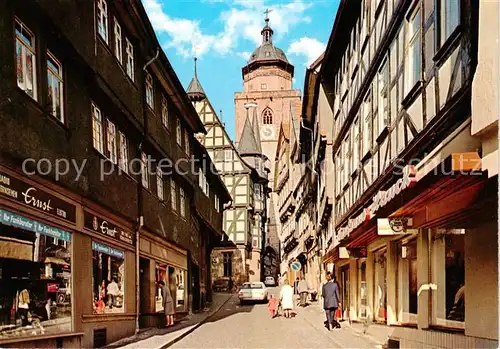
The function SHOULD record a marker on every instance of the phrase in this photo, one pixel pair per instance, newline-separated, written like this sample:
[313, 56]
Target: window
[161, 275]
[450, 18]
[356, 144]
[228, 264]
[108, 279]
[448, 270]
[413, 59]
[182, 202]
[263, 86]
[36, 276]
[144, 170]
[97, 129]
[348, 158]
[118, 42]
[25, 60]
[111, 142]
[186, 142]
[123, 162]
[159, 183]
[383, 97]
[228, 154]
[173, 194]
[367, 123]
[217, 203]
[149, 91]
[102, 20]
[55, 87]
[129, 52]
[408, 282]
[257, 191]
[178, 289]
[164, 111]
[178, 131]
[267, 117]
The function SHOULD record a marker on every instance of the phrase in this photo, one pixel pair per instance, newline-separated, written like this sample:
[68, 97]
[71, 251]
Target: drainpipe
[140, 218]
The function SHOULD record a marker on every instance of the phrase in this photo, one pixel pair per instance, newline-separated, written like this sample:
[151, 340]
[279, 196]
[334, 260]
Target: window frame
[159, 184]
[178, 131]
[123, 151]
[150, 96]
[164, 112]
[144, 170]
[111, 144]
[59, 77]
[97, 128]
[130, 63]
[25, 49]
[173, 195]
[413, 61]
[103, 20]
[117, 31]
[267, 116]
[446, 32]
[182, 202]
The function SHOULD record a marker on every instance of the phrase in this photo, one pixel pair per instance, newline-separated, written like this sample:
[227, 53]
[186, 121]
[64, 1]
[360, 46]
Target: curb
[181, 336]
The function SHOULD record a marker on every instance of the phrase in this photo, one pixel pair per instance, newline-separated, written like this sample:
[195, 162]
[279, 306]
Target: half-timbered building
[244, 173]
[415, 200]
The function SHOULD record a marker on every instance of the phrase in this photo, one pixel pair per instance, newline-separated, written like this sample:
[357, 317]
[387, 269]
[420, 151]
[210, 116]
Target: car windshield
[251, 286]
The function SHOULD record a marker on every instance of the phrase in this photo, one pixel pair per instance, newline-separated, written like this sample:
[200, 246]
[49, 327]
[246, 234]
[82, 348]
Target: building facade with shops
[416, 169]
[87, 226]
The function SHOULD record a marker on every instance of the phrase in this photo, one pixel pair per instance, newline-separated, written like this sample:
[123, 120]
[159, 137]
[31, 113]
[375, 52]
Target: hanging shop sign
[107, 250]
[14, 220]
[102, 226]
[354, 223]
[395, 226]
[36, 198]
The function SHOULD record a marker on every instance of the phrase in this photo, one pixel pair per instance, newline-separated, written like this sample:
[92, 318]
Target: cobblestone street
[250, 326]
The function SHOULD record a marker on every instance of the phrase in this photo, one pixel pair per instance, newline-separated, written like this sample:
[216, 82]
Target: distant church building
[238, 258]
[268, 93]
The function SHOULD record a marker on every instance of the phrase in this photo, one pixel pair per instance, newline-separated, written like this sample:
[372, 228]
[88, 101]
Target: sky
[223, 33]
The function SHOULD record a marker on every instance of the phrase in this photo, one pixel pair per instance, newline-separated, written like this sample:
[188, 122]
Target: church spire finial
[267, 32]
[195, 71]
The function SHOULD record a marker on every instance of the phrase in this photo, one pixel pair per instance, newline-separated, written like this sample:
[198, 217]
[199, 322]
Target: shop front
[37, 229]
[161, 261]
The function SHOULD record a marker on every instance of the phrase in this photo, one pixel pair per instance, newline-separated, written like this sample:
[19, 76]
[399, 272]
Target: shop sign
[14, 220]
[354, 223]
[384, 196]
[36, 198]
[52, 287]
[101, 226]
[107, 250]
[394, 226]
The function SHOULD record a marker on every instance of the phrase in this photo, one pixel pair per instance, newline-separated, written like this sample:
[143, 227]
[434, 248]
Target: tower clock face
[268, 132]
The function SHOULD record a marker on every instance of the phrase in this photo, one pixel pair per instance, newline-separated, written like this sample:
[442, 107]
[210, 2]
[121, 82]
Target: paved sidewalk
[350, 335]
[156, 338]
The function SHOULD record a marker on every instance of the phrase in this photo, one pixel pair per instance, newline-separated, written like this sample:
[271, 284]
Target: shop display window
[108, 279]
[35, 278]
[448, 273]
[380, 291]
[161, 275]
[178, 288]
[407, 281]
[363, 292]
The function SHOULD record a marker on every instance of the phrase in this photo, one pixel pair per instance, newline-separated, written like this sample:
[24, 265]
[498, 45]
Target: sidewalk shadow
[233, 307]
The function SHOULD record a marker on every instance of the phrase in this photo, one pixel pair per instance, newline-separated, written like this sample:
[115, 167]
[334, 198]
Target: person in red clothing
[272, 306]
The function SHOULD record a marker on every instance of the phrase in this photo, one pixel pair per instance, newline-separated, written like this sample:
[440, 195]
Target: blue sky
[223, 34]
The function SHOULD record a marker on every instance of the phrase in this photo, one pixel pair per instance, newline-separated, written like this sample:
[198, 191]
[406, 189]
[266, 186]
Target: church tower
[267, 88]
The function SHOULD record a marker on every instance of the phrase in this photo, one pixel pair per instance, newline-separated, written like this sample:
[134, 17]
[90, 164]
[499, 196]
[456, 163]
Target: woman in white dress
[286, 297]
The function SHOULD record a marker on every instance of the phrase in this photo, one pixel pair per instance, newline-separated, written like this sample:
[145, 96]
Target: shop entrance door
[344, 272]
[195, 286]
[145, 284]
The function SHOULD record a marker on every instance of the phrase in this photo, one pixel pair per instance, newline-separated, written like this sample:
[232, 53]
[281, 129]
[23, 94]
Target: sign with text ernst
[36, 198]
[102, 226]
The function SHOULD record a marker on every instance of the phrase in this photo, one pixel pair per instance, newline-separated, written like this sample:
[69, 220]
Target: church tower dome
[267, 53]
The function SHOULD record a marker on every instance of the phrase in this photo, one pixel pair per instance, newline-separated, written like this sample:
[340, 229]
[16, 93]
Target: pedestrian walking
[331, 301]
[286, 298]
[303, 291]
[296, 286]
[272, 306]
[168, 304]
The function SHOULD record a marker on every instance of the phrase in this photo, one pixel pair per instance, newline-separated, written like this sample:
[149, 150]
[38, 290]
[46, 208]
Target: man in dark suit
[331, 301]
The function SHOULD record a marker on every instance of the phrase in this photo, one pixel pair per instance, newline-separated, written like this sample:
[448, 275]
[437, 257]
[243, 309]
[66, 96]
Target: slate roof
[195, 90]
[248, 144]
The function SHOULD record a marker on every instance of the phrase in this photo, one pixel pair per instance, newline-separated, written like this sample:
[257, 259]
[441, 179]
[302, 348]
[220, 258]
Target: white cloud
[243, 21]
[245, 55]
[310, 48]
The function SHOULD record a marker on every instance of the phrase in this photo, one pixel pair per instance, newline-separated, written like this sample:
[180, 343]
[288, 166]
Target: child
[272, 306]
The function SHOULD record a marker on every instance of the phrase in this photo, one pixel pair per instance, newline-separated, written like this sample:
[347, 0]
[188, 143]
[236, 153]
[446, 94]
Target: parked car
[253, 291]
[269, 281]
